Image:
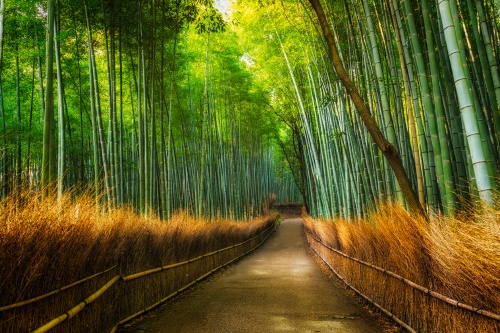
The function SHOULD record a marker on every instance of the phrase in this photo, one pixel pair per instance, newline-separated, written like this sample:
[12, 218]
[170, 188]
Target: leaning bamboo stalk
[386, 148]
[76, 309]
[34, 299]
[414, 285]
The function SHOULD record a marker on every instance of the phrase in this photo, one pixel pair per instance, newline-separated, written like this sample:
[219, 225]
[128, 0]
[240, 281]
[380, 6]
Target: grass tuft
[48, 244]
[457, 257]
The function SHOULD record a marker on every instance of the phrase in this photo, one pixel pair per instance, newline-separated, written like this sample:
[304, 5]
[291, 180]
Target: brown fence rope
[34, 299]
[151, 307]
[159, 269]
[414, 285]
[378, 306]
[79, 307]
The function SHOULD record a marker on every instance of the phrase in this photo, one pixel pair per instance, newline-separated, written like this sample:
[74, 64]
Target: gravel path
[278, 288]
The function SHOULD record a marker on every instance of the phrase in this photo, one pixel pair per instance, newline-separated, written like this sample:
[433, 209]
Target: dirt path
[278, 288]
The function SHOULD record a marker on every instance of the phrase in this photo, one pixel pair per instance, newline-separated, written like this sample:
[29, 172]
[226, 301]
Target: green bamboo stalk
[152, 107]
[204, 129]
[429, 176]
[427, 100]
[387, 149]
[113, 120]
[447, 185]
[97, 109]
[453, 113]
[95, 145]
[141, 132]
[18, 158]
[32, 102]
[379, 72]
[61, 156]
[48, 158]
[409, 105]
[483, 130]
[4, 165]
[467, 110]
[81, 173]
[121, 178]
[493, 67]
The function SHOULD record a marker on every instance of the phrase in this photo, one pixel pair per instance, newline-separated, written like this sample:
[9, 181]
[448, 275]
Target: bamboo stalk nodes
[49, 140]
[468, 113]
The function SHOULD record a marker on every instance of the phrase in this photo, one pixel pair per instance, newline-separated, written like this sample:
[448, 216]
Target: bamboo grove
[428, 73]
[143, 103]
[170, 104]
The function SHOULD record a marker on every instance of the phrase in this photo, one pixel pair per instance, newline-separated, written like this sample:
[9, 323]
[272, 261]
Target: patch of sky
[247, 59]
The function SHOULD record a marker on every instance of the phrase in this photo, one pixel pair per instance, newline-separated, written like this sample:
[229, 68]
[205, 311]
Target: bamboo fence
[209, 262]
[415, 316]
[58, 290]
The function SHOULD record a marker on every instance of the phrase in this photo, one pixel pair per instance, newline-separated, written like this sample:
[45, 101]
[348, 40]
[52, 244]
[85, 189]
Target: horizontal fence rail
[206, 255]
[378, 306]
[118, 279]
[58, 290]
[269, 230]
[414, 285]
[79, 307]
[407, 304]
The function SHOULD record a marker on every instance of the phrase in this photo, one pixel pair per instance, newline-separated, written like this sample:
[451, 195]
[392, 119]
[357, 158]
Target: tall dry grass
[457, 257]
[45, 245]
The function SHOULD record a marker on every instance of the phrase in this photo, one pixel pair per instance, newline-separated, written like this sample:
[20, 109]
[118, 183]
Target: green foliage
[191, 99]
[150, 62]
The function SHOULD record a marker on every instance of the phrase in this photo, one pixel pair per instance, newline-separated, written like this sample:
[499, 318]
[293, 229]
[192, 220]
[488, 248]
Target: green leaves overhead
[210, 21]
[189, 101]
[152, 112]
[396, 53]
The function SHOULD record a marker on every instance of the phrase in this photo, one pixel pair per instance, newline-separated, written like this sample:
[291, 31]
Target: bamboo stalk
[386, 148]
[48, 153]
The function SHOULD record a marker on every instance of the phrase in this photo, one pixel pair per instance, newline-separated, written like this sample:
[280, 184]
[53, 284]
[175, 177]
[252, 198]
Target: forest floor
[278, 288]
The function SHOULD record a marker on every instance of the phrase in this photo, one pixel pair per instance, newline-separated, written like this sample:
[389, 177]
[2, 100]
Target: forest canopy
[211, 107]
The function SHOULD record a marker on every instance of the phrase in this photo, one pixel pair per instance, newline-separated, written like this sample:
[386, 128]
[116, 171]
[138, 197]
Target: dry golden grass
[457, 257]
[46, 245]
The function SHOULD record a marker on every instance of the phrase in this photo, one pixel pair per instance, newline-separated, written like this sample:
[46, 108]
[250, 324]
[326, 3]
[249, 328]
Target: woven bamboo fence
[106, 300]
[414, 307]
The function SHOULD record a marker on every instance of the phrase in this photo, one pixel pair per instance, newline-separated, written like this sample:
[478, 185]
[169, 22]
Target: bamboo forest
[146, 133]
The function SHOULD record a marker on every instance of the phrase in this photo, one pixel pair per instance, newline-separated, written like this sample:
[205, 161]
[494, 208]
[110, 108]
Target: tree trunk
[385, 146]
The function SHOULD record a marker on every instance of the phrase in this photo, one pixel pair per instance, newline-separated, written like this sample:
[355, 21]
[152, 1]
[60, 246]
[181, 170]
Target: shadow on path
[278, 288]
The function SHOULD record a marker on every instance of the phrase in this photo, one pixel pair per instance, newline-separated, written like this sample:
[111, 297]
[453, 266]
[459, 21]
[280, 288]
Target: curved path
[278, 288]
